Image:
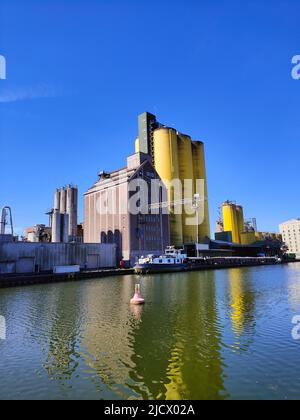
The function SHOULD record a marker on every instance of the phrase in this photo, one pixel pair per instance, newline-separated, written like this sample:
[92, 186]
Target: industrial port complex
[159, 199]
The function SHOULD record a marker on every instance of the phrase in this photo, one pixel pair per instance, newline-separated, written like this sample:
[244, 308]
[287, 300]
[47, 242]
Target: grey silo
[56, 227]
[65, 228]
[63, 201]
[72, 210]
[57, 200]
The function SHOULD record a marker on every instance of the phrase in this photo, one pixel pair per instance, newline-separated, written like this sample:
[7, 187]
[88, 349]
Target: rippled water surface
[222, 334]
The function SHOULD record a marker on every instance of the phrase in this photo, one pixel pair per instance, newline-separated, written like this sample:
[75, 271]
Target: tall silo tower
[167, 167]
[200, 175]
[65, 215]
[177, 157]
[72, 211]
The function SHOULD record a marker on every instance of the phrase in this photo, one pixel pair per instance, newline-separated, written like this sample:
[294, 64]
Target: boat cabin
[171, 257]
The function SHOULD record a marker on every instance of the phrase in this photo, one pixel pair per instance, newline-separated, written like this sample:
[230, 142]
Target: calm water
[223, 334]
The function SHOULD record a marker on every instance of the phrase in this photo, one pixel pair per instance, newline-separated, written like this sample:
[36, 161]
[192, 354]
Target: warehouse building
[108, 216]
[290, 231]
[28, 258]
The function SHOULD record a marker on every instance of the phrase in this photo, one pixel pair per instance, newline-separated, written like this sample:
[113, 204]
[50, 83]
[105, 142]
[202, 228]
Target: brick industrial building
[107, 218]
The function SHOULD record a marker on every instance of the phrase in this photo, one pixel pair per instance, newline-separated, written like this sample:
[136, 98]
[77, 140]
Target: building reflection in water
[194, 338]
[161, 350]
[61, 346]
[242, 303]
[294, 286]
[170, 349]
[107, 345]
[180, 339]
[50, 317]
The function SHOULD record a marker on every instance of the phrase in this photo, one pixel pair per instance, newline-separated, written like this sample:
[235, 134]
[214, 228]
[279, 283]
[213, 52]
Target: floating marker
[137, 299]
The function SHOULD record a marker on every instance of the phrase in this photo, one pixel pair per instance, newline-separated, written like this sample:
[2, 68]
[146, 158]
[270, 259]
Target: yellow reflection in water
[242, 305]
[175, 388]
[238, 302]
[195, 366]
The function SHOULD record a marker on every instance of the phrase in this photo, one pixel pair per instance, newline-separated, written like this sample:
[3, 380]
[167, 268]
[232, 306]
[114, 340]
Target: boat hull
[159, 268]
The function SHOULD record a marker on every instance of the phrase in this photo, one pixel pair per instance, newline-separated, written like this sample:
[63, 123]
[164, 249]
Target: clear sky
[80, 72]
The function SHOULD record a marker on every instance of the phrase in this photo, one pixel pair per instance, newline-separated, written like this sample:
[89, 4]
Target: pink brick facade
[107, 219]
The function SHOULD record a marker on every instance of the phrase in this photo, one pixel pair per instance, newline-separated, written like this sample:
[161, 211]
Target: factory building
[234, 228]
[290, 231]
[109, 217]
[64, 215]
[176, 157]
[233, 221]
[26, 257]
[38, 233]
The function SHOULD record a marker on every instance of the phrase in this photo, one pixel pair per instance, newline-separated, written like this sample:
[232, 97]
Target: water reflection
[137, 311]
[294, 286]
[199, 336]
[61, 347]
[181, 348]
[242, 307]
[108, 335]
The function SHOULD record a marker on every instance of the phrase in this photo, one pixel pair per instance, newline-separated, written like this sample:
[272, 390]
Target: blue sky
[80, 72]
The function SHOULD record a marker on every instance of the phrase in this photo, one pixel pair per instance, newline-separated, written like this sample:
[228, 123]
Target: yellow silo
[166, 165]
[186, 175]
[230, 221]
[248, 238]
[240, 219]
[238, 308]
[199, 174]
[137, 145]
[258, 236]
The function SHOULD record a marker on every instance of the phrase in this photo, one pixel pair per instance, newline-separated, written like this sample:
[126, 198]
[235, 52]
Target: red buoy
[137, 299]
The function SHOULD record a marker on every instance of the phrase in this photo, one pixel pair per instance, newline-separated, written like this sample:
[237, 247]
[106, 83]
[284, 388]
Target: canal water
[210, 335]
